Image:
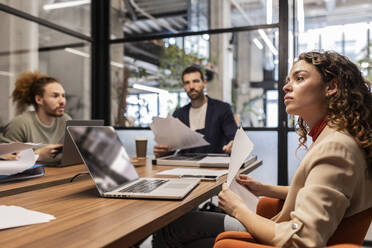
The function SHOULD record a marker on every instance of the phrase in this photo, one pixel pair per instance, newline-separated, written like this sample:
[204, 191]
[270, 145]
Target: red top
[317, 129]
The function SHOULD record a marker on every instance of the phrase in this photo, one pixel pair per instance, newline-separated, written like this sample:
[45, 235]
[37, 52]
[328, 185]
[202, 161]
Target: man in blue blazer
[210, 117]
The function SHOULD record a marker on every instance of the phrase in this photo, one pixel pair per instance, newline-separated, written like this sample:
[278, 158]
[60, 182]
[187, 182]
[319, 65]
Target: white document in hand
[6, 148]
[242, 148]
[26, 160]
[13, 216]
[172, 132]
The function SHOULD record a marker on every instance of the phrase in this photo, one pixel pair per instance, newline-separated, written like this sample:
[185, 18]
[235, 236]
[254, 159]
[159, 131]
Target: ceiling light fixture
[268, 42]
[6, 74]
[149, 88]
[77, 52]
[300, 16]
[86, 55]
[260, 31]
[269, 11]
[258, 43]
[61, 5]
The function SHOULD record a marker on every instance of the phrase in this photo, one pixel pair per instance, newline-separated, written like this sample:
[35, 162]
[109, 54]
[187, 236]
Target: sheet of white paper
[195, 172]
[6, 148]
[242, 148]
[14, 216]
[172, 132]
[26, 160]
[248, 198]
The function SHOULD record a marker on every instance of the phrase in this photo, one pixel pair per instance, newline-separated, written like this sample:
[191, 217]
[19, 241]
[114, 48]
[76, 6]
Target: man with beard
[210, 117]
[45, 125]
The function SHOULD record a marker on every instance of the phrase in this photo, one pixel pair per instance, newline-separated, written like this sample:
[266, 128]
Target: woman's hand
[229, 202]
[260, 189]
[48, 152]
[254, 186]
[161, 150]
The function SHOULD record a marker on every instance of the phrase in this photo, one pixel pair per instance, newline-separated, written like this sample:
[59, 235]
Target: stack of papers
[172, 132]
[206, 174]
[13, 216]
[6, 148]
[26, 160]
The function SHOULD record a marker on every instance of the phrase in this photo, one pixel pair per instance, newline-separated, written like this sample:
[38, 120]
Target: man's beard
[54, 112]
[197, 96]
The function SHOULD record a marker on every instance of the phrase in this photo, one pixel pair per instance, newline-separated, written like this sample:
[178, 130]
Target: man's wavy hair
[350, 108]
[28, 85]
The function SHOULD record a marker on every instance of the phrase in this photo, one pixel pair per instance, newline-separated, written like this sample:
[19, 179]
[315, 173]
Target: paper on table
[214, 160]
[242, 148]
[172, 132]
[193, 172]
[6, 148]
[26, 160]
[14, 216]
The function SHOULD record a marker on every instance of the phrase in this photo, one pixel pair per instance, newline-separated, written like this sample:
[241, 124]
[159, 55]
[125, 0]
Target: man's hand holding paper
[172, 134]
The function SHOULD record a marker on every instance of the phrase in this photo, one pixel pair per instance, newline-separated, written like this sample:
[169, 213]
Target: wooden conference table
[83, 219]
[53, 176]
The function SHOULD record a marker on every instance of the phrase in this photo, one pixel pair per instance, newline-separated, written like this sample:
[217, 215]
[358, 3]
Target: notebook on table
[70, 155]
[112, 172]
[36, 171]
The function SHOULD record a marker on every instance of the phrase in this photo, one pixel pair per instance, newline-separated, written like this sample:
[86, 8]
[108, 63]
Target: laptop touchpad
[176, 186]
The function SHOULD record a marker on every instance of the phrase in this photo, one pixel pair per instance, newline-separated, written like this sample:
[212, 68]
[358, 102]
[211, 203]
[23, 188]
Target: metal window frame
[7, 9]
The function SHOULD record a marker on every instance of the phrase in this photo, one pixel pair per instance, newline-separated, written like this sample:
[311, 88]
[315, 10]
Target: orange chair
[349, 234]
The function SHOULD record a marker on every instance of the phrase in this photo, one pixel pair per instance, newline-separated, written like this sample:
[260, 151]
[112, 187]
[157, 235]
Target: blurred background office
[121, 60]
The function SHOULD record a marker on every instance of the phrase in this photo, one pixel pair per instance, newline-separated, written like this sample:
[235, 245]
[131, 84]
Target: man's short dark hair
[192, 69]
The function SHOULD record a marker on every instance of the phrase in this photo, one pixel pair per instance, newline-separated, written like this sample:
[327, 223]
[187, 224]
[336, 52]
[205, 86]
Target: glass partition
[243, 73]
[265, 147]
[146, 17]
[26, 46]
[72, 14]
[295, 154]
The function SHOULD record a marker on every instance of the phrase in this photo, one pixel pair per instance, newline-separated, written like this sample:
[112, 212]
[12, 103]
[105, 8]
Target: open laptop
[113, 174]
[206, 160]
[70, 155]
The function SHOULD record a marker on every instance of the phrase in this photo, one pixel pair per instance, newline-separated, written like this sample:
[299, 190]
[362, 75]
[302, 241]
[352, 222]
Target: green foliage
[172, 62]
[367, 60]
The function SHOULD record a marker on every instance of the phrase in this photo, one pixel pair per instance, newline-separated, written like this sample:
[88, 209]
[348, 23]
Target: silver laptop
[113, 174]
[70, 155]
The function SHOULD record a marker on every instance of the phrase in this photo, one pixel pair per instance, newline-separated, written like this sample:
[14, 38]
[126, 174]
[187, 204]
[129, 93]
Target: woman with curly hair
[334, 102]
[46, 124]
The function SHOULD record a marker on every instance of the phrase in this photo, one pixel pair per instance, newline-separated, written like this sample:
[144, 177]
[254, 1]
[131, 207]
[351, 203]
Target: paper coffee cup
[141, 147]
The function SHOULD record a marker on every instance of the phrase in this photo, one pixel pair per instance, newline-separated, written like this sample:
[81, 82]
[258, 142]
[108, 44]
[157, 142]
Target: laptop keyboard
[144, 186]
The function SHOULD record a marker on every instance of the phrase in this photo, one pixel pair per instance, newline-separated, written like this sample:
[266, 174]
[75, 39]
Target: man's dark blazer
[220, 126]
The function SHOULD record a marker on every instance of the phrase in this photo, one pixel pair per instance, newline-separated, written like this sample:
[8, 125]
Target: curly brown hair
[28, 85]
[350, 108]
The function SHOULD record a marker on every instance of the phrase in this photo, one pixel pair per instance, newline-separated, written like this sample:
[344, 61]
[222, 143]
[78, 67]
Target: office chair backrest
[352, 229]
[350, 233]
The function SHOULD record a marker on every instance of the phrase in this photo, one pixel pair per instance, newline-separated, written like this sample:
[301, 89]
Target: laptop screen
[104, 155]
